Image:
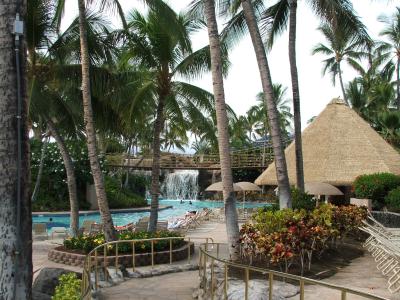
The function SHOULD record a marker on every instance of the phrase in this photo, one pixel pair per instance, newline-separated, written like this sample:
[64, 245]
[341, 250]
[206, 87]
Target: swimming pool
[123, 218]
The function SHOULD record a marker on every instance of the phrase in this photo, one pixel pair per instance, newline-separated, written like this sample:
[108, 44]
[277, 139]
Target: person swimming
[190, 202]
[181, 201]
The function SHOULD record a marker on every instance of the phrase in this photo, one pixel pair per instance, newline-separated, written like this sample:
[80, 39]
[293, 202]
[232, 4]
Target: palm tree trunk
[71, 179]
[155, 171]
[232, 227]
[109, 230]
[40, 171]
[15, 233]
[296, 94]
[398, 82]
[342, 85]
[272, 111]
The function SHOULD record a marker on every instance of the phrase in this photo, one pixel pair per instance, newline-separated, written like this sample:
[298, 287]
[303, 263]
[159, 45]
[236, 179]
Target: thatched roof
[338, 146]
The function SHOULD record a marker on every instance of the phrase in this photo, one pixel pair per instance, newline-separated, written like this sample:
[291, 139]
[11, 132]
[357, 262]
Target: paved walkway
[360, 274]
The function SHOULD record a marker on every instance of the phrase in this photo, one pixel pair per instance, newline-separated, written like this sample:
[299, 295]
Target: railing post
[170, 251]
[218, 250]
[344, 295]
[116, 258]
[271, 285]
[133, 256]
[189, 258]
[105, 262]
[301, 289]
[212, 279]
[96, 273]
[226, 282]
[152, 253]
[246, 287]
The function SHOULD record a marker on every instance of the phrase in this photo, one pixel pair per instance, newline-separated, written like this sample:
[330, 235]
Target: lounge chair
[142, 225]
[162, 225]
[96, 228]
[40, 230]
[59, 231]
[87, 225]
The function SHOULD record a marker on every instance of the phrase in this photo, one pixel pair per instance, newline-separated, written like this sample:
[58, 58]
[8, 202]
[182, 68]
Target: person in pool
[190, 202]
[181, 201]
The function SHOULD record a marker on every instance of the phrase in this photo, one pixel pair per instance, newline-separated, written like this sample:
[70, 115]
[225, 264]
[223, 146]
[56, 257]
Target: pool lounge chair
[87, 226]
[59, 231]
[39, 230]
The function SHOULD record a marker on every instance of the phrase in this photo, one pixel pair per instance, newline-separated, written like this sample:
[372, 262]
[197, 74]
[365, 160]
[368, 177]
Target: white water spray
[181, 184]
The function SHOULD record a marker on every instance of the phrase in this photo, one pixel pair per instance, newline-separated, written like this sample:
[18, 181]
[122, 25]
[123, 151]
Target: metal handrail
[88, 265]
[205, 256]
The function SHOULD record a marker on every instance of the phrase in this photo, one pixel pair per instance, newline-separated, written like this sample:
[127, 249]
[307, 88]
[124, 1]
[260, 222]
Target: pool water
[124, 218]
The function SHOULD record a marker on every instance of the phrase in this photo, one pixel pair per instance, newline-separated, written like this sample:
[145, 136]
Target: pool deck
[92, 212]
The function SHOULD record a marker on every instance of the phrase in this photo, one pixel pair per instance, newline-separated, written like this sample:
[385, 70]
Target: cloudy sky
[243, 82]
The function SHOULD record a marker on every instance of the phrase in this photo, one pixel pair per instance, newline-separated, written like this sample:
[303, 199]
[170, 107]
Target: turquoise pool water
[120, 219]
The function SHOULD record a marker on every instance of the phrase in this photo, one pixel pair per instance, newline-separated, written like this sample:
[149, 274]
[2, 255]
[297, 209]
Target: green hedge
[120, 197]
[392, 200]
[86, 243]
[376, 187]
[302, 200]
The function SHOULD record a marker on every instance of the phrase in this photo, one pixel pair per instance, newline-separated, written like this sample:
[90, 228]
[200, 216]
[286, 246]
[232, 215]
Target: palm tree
[258, 115]
[160, 43]
[45, 103]
[273, 116]
[342, 46]
[391, 49]
[109, 230]
[15, 213]
[232, 226]
[275, 19]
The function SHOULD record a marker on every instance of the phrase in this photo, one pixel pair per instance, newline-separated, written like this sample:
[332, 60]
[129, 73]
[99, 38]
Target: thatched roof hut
[338, 146]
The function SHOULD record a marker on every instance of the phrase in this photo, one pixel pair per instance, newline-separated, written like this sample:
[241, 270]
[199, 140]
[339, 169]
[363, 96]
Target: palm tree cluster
[375, 92]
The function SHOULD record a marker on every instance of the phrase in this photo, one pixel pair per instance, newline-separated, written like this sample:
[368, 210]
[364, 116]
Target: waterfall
[181, 184]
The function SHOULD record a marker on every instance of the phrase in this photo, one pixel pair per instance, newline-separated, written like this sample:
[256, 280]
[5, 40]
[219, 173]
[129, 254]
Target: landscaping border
[59, 255]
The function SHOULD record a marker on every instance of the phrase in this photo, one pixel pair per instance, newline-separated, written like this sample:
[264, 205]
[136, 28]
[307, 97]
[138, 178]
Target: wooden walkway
[252, 158]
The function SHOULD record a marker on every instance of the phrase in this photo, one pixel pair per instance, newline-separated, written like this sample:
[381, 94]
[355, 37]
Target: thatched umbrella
[217, 187]
[247, 186]
[321, 188]
[338, 146]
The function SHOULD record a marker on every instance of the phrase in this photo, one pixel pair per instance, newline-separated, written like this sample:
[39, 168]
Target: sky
[243, 82]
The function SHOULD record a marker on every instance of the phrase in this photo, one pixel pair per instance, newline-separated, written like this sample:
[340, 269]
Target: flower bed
[83, 244]
[284, 237]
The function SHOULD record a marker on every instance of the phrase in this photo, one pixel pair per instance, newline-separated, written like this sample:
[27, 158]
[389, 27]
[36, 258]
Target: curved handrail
[205, 255]
[86, 287]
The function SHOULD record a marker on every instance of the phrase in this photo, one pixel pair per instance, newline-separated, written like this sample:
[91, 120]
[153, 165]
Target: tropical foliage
[86, 243]
[68, 288]
[286, 237]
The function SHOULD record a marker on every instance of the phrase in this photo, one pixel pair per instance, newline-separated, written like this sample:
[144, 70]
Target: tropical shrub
[287, 236]
[392, 200]
[53, 192]
[376, 187]
[86, 243]
[120, 197]
[68, 288]
[302, 200]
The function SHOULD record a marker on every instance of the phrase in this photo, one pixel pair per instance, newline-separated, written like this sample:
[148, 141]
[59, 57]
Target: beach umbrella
[217, 187]
[321, 188]
[247, 186]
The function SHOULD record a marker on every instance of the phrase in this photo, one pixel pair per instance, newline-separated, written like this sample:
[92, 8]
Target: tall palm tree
[273, 116]
[109, 230]
[232, 226]
[45, 103]
[259, 116]
[160, 43]
[15, 212]
[391, 49]
[341, 46]
[284, 14]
